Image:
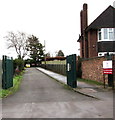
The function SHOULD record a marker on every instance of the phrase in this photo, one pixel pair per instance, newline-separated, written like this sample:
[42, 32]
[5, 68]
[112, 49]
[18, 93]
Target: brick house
[98, 38]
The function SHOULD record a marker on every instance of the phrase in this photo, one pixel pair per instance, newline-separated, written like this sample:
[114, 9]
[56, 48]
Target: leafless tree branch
[18, 41]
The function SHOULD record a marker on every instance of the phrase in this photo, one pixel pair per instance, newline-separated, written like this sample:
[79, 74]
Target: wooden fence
[58, 68]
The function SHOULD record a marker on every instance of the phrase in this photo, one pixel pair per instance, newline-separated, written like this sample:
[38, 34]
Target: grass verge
[90, 81]
[16, 84]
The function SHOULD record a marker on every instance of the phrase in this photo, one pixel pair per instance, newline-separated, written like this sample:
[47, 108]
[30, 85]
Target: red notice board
[107, 71]
[107, 67]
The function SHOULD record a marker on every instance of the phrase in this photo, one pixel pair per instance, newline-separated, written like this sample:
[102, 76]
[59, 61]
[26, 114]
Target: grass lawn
[16, 84]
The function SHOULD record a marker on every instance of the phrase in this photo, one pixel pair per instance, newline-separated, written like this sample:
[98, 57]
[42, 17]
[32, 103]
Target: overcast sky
[55, 21]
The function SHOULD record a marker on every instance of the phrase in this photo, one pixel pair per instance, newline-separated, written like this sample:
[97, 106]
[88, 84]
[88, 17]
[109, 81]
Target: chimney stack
[84, 6]
[84, 24]
[83, 17]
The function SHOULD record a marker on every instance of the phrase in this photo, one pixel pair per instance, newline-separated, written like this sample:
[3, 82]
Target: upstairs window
[106, 34]
[114, 34]
[111, 33]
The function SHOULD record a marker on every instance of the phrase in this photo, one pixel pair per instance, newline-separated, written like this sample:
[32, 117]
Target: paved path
[91, 90]
[42, 97]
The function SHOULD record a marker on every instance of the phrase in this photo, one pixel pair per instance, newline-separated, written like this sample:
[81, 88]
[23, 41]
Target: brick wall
[92, 69]
[81, 49]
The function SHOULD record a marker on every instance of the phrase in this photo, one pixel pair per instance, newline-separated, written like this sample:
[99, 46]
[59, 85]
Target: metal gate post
[71, 70]
[7, 77]
[4, 72]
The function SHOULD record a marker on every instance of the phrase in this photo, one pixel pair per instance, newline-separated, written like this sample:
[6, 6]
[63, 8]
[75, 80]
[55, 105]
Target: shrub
[18, 65]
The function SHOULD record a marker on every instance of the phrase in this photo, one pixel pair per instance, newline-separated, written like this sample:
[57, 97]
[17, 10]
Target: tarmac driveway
[43, 97]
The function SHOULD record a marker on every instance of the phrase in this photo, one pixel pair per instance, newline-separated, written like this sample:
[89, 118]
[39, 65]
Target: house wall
[81, 50]
[106, 46]
[86, 54]
[88, 41]
[92, 69]
[92, 43]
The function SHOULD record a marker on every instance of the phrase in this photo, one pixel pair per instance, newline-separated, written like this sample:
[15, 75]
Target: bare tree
[18, 41]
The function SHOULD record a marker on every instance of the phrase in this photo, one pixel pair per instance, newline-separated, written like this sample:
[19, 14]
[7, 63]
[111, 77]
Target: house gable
[104, 20]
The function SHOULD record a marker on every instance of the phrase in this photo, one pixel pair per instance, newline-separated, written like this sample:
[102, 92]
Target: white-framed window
[111, 33]
[106, 34]
[100, 34]
[114, 34]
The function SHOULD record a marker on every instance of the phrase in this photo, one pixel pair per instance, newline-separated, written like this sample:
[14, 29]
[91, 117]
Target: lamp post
[45, 52]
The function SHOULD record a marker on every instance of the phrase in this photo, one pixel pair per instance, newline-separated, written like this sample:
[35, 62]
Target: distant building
[98, 38]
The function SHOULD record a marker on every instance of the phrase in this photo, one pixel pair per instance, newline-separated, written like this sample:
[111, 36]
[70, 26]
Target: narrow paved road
[43, 97]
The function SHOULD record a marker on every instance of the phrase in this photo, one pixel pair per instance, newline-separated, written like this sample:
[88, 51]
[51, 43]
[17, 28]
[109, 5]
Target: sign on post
[107, 67]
